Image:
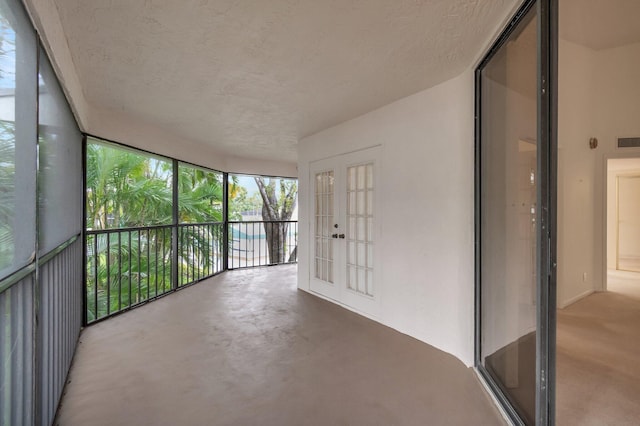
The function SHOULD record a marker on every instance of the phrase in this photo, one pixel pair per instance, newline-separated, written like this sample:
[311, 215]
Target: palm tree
[125, 268]
[129, 190]
[199, 206]
[126, 189]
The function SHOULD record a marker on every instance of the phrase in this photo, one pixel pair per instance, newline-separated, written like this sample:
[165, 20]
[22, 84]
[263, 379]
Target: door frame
[369, 306]
[632, 175]
[327, 289]
[546, 264]
[603, 194]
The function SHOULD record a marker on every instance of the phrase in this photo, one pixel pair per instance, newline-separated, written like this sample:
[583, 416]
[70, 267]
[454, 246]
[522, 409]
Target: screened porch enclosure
[40, 227]
[155, 224]
[89, 228]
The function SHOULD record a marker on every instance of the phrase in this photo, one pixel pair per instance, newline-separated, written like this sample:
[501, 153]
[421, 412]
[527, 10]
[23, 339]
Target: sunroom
[303, 212]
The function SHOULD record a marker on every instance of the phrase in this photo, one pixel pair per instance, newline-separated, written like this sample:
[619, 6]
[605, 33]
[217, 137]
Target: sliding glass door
[514, 215]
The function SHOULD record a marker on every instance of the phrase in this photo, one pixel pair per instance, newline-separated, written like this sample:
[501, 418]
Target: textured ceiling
[600, 24]
[253, 77]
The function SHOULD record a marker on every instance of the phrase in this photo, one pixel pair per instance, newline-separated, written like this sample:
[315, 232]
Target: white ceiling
[253, 77]
[600, 24]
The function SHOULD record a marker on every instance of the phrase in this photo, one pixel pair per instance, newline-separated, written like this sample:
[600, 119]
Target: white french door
[345, 229]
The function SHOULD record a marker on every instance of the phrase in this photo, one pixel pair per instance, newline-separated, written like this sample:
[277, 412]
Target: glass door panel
[323, 259]
[359, 229]
[324, 274]
[345, 230]
[509, 188]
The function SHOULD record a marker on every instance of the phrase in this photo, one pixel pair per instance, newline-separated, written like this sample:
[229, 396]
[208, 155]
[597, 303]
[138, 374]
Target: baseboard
[575, 299]
[621, 273]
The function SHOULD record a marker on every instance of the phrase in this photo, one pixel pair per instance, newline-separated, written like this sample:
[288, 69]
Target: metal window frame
[83, 284]
[174, 225]
[547, 249]
[547, 60]
[38, 260]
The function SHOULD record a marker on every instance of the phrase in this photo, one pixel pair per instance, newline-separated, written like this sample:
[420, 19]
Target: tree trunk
[293, 257]
[276, 234]
[274, 215]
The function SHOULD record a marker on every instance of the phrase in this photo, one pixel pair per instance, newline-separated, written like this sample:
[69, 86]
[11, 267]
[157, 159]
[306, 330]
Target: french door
[515, 214]
[345, 230]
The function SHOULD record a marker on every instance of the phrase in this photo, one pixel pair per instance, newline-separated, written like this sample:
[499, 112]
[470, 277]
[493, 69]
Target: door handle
[341, 236]
[334, 235]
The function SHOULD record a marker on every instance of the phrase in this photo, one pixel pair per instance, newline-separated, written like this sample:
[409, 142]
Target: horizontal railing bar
[8, 282]
[130, 229]
[200, 224]
[263, 221]
[47, 257]
[13, 279]
[144, 228]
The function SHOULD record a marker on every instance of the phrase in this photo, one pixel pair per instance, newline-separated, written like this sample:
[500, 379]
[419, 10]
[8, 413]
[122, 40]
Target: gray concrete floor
[248, 348]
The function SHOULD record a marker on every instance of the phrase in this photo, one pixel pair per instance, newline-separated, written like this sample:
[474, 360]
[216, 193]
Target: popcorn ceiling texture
[251, 78]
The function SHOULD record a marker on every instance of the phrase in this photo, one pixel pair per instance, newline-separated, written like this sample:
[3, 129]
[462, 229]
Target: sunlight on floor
[624, 283]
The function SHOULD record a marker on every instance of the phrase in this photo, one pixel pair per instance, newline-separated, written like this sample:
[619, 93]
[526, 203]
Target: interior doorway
[623, 227]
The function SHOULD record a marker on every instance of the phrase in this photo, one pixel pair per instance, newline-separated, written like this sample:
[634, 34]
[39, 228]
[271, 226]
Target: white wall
[599, 96]
[617, 106]
[576, 174]
[427, 214]
[125, 129]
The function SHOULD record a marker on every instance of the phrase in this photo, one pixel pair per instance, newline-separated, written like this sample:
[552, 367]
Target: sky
[7, 60]
[249, 183]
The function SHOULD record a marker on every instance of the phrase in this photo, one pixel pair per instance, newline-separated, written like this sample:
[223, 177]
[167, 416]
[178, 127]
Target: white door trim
[369, 305]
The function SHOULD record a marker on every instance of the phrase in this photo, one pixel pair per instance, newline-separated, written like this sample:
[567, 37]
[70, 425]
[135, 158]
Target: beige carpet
[598, 361]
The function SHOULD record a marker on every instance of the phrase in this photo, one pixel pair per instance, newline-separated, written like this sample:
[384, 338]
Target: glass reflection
[508, 209]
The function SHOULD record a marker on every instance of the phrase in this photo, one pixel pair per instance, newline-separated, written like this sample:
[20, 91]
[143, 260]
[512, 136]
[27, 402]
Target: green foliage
[129, 268]
[126, 189]
[7, 193]
[240, 202]
[200, 195]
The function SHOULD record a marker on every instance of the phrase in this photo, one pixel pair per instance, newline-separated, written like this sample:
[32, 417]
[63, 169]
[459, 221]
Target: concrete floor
[248, 348]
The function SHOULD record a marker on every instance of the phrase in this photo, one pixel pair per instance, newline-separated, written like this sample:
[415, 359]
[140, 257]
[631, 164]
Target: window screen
[18, 51]
[60, 179]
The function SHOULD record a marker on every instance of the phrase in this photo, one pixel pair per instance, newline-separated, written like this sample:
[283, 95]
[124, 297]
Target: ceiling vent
[628, 142]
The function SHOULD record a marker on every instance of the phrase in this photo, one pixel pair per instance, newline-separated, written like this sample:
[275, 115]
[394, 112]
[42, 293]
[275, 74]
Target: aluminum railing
[36, 354]
[201, 251]
[262, 243]
[127, 267]
[130, 266]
